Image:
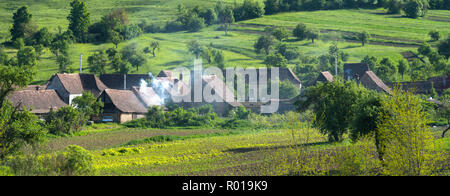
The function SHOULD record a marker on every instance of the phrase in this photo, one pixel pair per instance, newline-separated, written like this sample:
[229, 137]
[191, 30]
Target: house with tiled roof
[69, 86]
[40, 101]
[325, 77]
[122, 105]
[371, 81]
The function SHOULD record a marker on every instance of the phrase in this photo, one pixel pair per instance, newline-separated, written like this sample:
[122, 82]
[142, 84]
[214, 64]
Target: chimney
[124, 81]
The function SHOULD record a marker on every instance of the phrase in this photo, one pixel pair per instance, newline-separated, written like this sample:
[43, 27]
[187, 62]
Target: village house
[40, 101]
[361, 73]
[122, 105]
[69, 86]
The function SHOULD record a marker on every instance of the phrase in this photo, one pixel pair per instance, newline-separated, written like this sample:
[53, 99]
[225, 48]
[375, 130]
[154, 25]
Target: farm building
[122, 105]
[39, 101]
[70, 86]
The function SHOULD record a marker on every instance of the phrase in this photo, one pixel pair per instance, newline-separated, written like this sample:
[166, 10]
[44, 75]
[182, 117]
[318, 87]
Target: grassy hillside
[391, 34]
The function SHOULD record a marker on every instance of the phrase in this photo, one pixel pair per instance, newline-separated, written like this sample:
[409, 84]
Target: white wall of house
[73, 96]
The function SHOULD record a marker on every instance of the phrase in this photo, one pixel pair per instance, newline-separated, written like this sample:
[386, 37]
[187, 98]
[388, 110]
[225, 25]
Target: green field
[216, 152]
[391, 34]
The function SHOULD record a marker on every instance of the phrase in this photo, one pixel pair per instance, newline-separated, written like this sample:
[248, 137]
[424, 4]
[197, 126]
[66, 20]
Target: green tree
[88, 104]
[79, 161]
[333, 105]
[415, 8]
[264, 43]
[63, 62]
[43, 37]
[407, 146]
[394, 7]
[313, 35]
[195, 48]
[98, 62]
[435, 35]
[280, 33]
[288, 90]
[403, 67]
[225, 16]
[26, 57]
[444, 47]
[155, 45]
[67, 120]
[79, 20]
[300, 31]
[275, 60]
[20, 19]
[17, 128]
[116, 38]
[219, 59]
[386, 70]
[364, 37]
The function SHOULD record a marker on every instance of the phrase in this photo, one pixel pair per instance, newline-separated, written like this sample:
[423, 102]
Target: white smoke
[157, 87]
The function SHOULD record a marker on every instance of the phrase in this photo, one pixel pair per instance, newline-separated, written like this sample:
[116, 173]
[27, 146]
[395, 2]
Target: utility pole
[335, 63]
[81, 63]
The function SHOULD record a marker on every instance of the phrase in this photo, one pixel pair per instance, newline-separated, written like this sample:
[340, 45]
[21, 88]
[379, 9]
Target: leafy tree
[195, 48]
[155, 46]
[394, 7]
[98, 62]
[386, 69]
[209, 15]
[60, 47]
[225, 16]
[300, 31]
[312, 35]
[17, 128]
[264, 43]
[367, 116]
[415, 8]
[435, 35]
[219, 59]
[271, 6]
[79, 20]
[14, 77]
[248, 10]
[425, 50]
[364, 37]
[63, 61]
[43, 37]
[156, 117]
[444, 47]
[116, 38]
[19, 43]
[66, 120]
[130, 31]
[407, 146]
[336, 116]
[275, 60]
[88, 104]
[78, 161]
[26, 57]
[21, 18]
[403, 67]
[288, 90]
[280, 33]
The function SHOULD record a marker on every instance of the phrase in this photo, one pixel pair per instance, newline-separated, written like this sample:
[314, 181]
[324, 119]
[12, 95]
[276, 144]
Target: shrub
[237, 124]
[406, 143]
[67, 120]
[73, 161]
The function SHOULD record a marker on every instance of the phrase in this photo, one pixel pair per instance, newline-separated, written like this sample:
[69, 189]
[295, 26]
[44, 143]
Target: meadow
[216, 152]
[390, 34]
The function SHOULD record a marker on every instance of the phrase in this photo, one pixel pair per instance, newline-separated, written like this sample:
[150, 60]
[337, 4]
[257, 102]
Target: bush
[67, 120]
[237, 124]
[73, 161]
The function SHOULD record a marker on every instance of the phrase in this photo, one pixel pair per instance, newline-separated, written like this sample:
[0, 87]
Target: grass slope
[391, 34]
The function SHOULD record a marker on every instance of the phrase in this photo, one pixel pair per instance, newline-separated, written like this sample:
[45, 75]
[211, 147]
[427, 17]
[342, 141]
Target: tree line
[411, 8]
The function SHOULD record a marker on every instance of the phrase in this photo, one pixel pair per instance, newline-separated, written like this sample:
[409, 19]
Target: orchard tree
[98, 62]
[300, 31]
[116, 38]
[225, 16]
[434, 34]
[20, 19]
[415, 8]
[280, 33]
[195, 48]
[364, 37]
[444, 47]
[403, 67]
[264, 43]
[336, 116]
[275, 60]
[313, 35]
[79, 20]
[155, 46]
